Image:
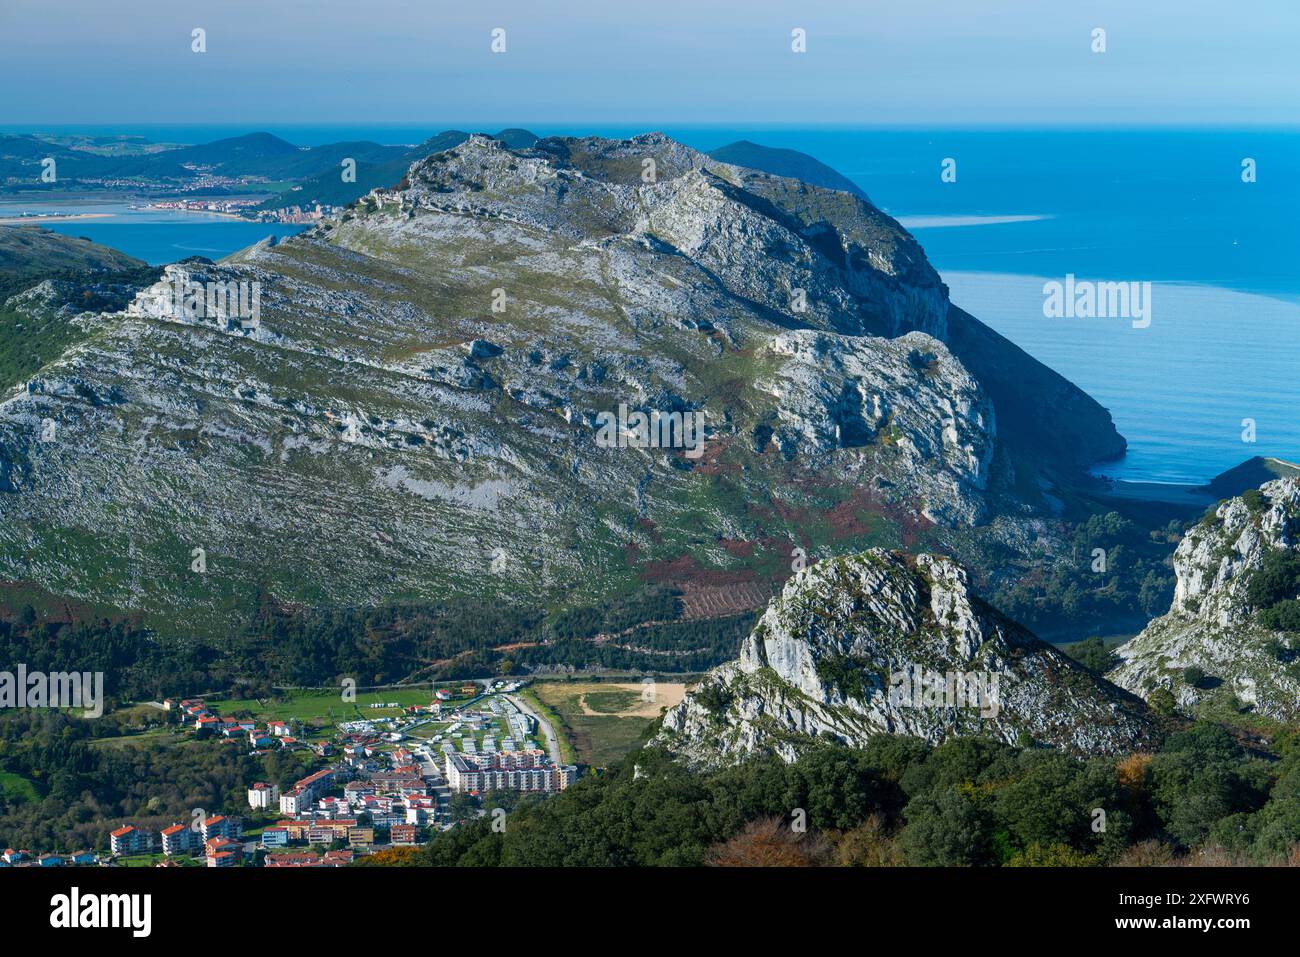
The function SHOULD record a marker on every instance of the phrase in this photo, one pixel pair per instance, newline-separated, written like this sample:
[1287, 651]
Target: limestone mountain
[877, 642]
[415, 413]
[1231, 630]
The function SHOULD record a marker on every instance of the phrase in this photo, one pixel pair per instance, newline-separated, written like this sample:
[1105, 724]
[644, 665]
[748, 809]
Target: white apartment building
[263, 796]
[507, 771]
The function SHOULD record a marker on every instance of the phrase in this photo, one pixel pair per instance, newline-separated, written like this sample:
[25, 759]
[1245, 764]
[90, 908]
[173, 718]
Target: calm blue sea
[1028, 206]
[156, 236]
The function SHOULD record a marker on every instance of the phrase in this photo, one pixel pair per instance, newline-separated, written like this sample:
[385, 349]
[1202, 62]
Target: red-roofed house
[207, 724]
[131, 840]
[178, 839]
[263, 796]
[219, 826]
[223, 852]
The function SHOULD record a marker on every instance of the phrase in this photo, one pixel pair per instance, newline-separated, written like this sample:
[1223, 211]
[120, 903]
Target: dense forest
[65, 782]
[1202, 798]
[136, 664]
[1119, 574]
[459, 638]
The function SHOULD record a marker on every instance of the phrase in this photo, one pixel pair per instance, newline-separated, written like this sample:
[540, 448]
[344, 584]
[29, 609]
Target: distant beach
[943, 222]
[204, 212]
[50, 217]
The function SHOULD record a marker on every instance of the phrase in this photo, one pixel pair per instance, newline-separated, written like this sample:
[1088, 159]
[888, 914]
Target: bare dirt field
[606, 720]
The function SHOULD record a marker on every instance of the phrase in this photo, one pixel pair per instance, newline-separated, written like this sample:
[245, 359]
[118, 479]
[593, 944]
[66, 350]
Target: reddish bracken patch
[851, 517]
[515, 646]
[738, 548]
[714, 602]
[54, 609]
[709, 462]
[710, 592]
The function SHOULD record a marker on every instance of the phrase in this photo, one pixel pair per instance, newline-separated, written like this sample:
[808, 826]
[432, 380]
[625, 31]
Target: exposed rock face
[760, 237]
[841, 652]
[910, 397]
[422, 389]
[1211, 624]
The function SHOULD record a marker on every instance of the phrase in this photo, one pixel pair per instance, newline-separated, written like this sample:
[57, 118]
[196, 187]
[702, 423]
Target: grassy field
[568, 753]
[14, 788]
[323, 707]
[157, 737]
[604, 721]
[149, 860]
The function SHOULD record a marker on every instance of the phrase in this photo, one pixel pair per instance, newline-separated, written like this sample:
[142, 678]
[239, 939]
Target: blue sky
[661, 62]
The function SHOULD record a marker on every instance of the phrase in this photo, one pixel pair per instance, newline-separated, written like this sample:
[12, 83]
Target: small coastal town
[385, 781]
[246, 208]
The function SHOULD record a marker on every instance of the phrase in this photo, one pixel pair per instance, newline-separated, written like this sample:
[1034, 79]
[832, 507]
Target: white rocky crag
[1211, 624]
[824, 662]
[907, 396]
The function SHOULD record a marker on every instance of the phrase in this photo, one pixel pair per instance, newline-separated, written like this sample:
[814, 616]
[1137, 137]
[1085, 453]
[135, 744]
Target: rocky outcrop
[908, 397]
[1214, 627]
[877, 642]
[811, 256]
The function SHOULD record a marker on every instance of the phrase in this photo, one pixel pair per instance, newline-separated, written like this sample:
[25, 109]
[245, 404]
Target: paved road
[552, 741]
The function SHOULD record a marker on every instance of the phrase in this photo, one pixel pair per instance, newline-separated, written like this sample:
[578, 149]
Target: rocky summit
[415, 409]
[1230, 630]
[877, 642]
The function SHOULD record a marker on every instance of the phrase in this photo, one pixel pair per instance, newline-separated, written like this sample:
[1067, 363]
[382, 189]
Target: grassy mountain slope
[32, 251]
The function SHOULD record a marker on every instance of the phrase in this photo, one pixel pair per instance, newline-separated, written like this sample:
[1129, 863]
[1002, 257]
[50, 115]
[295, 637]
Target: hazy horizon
[936, 63]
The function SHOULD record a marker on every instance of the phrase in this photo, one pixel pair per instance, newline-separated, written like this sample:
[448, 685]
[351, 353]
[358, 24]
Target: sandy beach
[43, 218]
[939, 222]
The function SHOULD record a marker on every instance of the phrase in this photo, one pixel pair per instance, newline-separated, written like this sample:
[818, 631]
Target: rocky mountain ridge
[877, 642]
[414, 412]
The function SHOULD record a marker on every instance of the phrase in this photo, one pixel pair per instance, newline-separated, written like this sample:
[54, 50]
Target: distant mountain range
[263, 158]
[260, 156]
